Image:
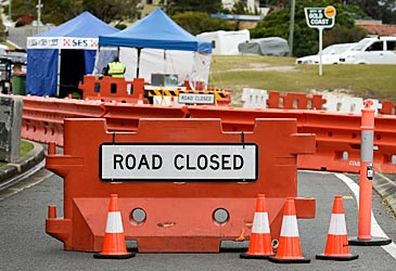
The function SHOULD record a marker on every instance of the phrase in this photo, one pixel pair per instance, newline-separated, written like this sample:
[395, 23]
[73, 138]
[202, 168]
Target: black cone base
[251, 256]
[337, 258]
[116, 257]
[374, 241]
[278, 260]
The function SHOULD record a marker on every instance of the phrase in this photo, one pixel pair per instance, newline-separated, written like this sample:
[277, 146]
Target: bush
[198, 22]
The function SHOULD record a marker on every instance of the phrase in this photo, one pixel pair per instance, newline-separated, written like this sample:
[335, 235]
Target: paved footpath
[25, 246]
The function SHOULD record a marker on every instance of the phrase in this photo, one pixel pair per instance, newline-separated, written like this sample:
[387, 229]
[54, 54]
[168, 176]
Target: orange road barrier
[289, 250]
[364, 237]
[114, 245]
[260, 246]
[42, 118]
[388, 107]
[125, 117]
[177, 197]
[337, 247]
[337, 135]
[107, 89]
[295, 100]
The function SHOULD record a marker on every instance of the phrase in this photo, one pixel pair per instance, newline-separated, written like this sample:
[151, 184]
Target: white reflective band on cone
[260, 223]
[114, 223]
[337, 224]
[289, 226]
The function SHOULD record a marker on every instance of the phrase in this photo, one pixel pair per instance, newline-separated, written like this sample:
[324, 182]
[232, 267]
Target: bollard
[364, 237]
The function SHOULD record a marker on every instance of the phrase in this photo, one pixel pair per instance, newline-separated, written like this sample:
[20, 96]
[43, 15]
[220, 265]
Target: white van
[374, 50]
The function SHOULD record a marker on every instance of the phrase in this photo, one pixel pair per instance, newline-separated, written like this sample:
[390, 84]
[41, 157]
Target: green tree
[111, 10]
[384, 10]
[198, 22]
[59, 11]
[305, 38]
[208, 6]
[55, 11]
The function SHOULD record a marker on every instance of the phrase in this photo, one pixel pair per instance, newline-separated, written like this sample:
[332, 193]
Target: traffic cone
[260, 237]
[337, 247]
[289, 250]
[114, 246]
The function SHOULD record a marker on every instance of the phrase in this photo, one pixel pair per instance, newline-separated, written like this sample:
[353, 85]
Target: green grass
[24, 148]
[280, 73]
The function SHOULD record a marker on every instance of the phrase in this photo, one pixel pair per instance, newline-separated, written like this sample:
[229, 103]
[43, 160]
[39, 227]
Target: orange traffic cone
[289, 250]
[337, 247]
[114, 246]
[260, 237]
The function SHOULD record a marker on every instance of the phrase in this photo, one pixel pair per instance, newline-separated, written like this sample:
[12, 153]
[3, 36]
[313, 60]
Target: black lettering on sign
[144, 162]
[238, 165]
[130, 161]
[190, 167]
[225, 160]
[157, 161]
[118, 158]
[202, 162]
[214, 160]
[177, 166]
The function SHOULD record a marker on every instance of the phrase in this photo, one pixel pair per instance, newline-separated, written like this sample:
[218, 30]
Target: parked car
[330, 54]
[373, 50]
[271, 46]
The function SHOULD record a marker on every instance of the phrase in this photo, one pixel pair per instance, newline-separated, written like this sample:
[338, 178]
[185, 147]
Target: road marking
[375, 227]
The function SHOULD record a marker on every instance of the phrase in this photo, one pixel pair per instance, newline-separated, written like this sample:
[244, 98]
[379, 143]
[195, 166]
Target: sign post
[320, 18]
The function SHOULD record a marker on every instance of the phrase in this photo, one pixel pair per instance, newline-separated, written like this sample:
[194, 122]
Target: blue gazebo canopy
[156, 31]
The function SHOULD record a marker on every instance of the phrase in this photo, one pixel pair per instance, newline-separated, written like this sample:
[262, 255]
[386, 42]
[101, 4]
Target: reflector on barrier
[184, 185]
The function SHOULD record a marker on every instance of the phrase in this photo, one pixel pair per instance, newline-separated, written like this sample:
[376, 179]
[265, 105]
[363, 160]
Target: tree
[208, 6]
[111, 10]
[384, 10]
[55, 11]
[59, 11]
[198, 22]
[305, 38]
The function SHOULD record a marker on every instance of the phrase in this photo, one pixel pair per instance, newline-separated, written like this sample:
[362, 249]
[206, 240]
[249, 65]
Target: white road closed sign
[179, 162]
[196, 98]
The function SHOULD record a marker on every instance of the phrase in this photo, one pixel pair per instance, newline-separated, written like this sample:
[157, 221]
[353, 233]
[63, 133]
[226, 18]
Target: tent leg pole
[58, 74]
[139, 51]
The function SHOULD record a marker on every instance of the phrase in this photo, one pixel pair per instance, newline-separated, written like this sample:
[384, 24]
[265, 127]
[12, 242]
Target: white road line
[375, 227]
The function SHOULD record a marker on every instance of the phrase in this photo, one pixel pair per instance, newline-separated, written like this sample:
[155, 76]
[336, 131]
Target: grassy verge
[24, 148]
[280, 73]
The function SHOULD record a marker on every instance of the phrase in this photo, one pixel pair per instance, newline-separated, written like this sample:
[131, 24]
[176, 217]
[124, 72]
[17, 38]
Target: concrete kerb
[23, 164]
[387, 190]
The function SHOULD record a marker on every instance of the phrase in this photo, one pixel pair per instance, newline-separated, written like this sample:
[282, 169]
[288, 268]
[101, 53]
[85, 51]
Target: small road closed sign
[179, 162]
[196, 98]
[320, 17]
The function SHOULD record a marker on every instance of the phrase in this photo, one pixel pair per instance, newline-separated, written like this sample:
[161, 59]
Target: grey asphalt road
[25, 246]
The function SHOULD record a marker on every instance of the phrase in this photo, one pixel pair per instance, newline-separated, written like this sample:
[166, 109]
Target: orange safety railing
[338, 134]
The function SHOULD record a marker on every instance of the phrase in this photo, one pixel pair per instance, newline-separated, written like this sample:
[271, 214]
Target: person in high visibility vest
[116, 68]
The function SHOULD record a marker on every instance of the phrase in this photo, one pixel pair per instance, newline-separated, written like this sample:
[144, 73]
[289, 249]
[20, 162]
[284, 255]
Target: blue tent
[61, 56]
[156, 31]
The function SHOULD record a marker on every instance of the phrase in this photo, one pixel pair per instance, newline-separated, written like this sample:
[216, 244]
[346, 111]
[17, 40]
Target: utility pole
[39, 6]
[291, 26]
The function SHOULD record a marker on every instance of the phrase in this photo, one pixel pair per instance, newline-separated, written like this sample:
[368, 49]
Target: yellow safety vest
[116, 69]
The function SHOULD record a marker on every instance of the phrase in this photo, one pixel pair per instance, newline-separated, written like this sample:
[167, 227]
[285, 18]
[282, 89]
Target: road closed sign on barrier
[187, 162]
[195, 98]
[184, 185]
